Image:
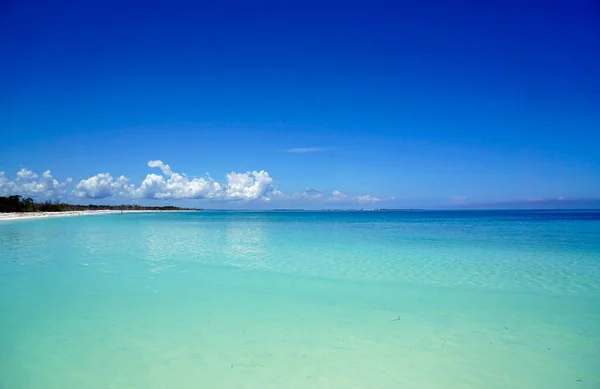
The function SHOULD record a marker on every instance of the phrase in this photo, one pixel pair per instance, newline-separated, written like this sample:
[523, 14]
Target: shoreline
[42, 215]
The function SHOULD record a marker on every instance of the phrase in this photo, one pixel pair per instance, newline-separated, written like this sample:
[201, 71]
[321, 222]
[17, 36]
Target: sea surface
[414, 299]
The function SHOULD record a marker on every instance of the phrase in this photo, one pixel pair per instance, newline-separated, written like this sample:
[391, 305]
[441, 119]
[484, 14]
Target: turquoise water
[301, 300]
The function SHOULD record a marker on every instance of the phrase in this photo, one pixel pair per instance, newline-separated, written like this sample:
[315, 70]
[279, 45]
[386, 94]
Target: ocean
[399, 299]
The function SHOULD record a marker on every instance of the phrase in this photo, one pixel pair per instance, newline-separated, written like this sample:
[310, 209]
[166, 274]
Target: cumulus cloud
[26, 175]
[277, 194]
[166, 184]
[308, 194]
[166, 169]
[248, 186]
[339, 197]
[336, 195]
[103, 185]
[255, 185]
[29, 183]
[367, 199]
[178, 186]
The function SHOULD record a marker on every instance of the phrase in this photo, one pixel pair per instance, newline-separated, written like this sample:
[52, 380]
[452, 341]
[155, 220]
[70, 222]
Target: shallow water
[301, 300]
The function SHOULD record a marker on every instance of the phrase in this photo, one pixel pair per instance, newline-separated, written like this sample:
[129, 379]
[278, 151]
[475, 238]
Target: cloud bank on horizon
[238, 187]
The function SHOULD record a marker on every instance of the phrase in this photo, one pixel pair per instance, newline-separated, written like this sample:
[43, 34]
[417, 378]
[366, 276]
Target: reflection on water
[159, 247]
[170, 246]
[21, 243]
[167, 246]
[237, 244]
[246, 245]
[449, 252]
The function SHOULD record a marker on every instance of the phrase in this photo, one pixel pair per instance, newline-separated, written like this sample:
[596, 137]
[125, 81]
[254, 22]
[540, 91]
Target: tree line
[18, 203]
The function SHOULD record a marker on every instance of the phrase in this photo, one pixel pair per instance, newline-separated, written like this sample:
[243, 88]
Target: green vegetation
[19, 203]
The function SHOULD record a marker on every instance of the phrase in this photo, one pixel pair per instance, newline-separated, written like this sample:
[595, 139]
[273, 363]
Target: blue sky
[395, 104]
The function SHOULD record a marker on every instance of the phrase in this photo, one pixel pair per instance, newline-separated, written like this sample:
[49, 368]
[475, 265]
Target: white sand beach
[36, 215]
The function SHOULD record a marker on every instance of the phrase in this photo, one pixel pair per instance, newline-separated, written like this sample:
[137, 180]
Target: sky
[302, 104]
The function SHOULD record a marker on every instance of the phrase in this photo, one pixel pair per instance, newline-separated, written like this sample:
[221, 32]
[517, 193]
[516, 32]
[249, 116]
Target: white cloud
[26, 175]
[309, 149]
[166, 169]
[242, 187]
[248, 186]
[6, 186]
[338, 197]
[28, 183]
[178, 186]
[103, 185]
[367, 199]
[308, 194]
[239, 187]
[277, 193]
